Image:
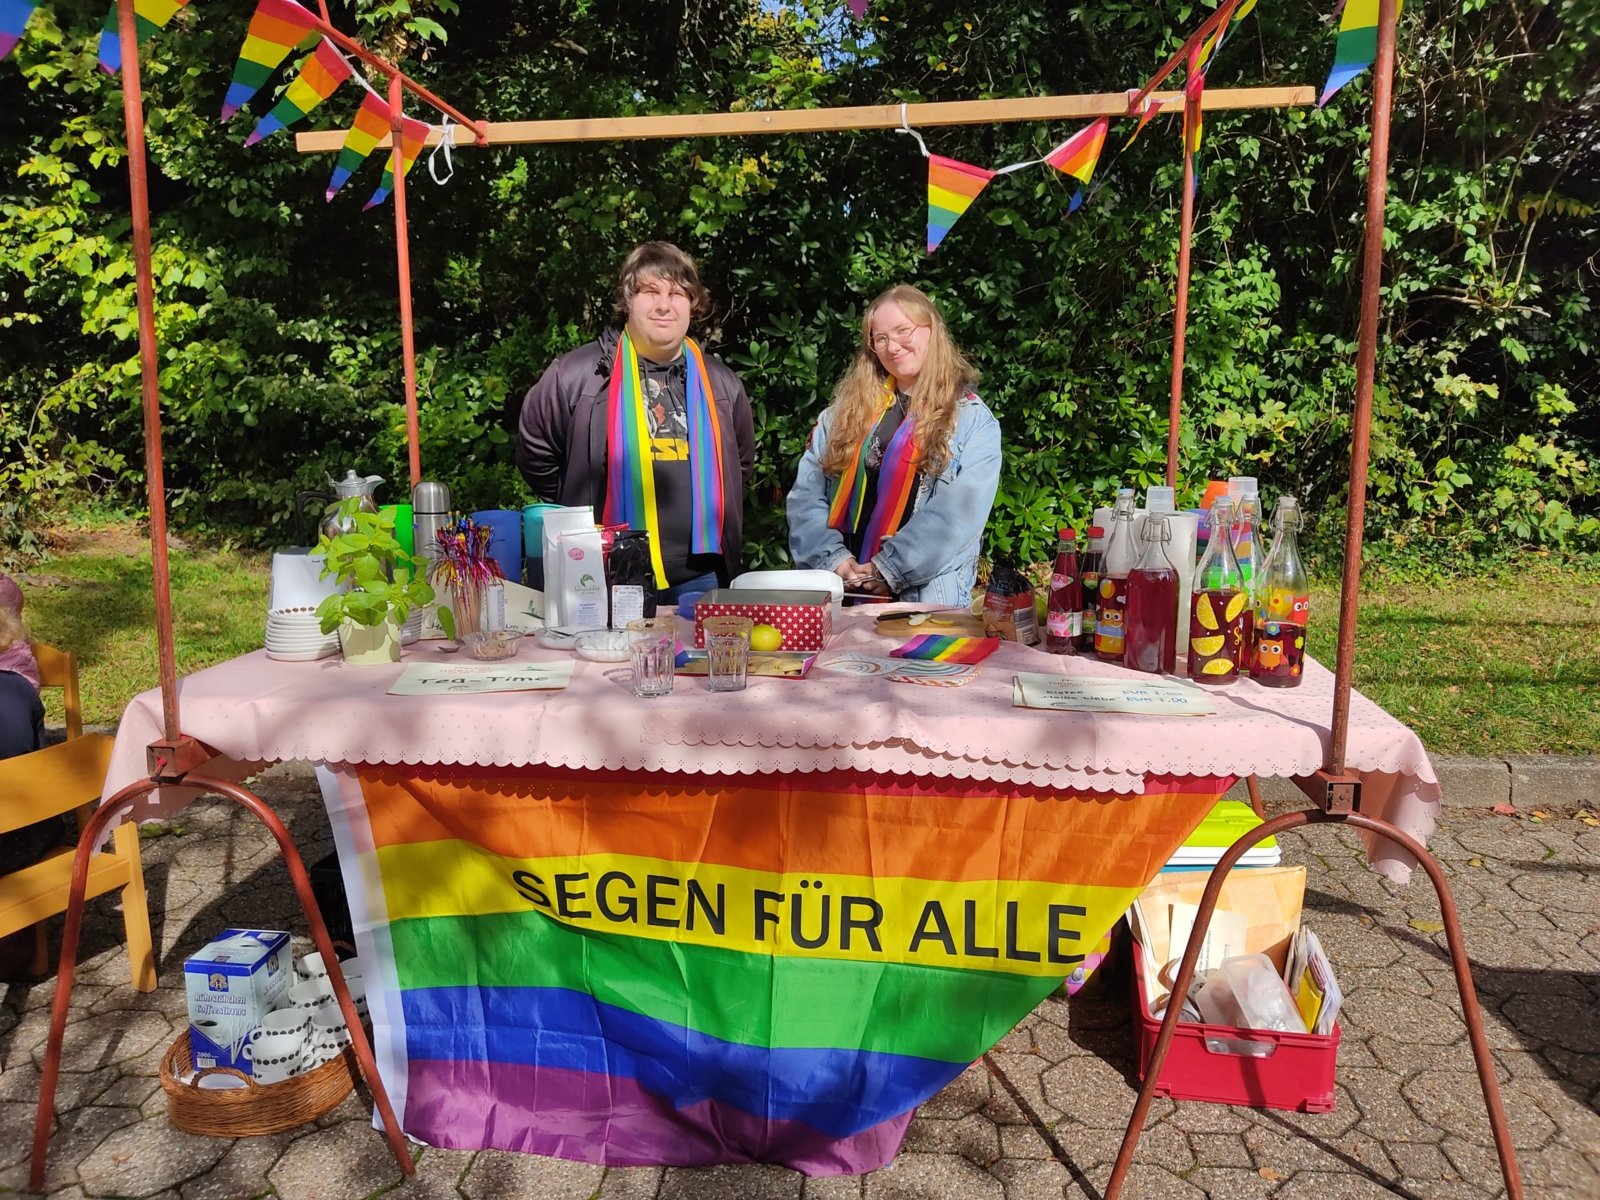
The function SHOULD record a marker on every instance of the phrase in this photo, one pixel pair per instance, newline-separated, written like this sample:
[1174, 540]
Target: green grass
[1482, 666]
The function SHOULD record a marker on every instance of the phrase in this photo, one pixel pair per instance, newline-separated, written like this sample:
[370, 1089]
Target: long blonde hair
[857, 406]
[12, 629]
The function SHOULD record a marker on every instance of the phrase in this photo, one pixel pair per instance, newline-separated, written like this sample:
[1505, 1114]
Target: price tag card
[448, 679]
[1152, 697]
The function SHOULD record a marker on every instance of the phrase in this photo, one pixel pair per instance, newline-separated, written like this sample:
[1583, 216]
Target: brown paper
[1269, 898]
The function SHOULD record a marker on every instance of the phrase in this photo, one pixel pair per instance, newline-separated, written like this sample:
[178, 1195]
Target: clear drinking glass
[652, 645]
[727, 652]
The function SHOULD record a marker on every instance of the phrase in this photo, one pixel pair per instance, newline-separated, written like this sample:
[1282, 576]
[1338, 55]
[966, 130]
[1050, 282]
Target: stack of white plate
[295, 635]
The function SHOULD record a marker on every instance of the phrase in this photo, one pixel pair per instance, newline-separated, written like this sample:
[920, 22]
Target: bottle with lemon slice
[1219, 607]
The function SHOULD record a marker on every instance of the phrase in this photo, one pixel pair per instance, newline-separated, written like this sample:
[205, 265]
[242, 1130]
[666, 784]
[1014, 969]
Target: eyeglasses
[900, 337]
[655, 293]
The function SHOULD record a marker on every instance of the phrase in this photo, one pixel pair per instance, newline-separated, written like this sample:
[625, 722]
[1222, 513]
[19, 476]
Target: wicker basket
[256, 1108]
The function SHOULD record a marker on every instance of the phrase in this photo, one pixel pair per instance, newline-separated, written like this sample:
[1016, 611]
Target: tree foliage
[277, 313]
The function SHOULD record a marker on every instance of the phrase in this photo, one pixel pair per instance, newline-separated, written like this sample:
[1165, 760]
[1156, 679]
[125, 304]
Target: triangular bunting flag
[14, 16]
[413, 135]
[320, 76]
[148, 16]
[952, 187]
[1078, 155]
[276, 28]
[369, 128]
[1357, 45]
[1214, 42]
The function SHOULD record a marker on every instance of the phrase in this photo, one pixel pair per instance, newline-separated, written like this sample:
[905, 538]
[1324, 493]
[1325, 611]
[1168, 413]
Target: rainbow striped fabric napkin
[935, 647]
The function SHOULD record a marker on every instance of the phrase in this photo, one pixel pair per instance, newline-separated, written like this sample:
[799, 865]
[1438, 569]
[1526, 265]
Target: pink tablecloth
[256, 710]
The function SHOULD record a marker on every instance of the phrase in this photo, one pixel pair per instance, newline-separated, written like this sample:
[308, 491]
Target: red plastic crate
[1297, 1075]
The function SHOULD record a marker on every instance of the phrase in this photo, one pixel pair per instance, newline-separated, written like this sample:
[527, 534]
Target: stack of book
[1225, 824]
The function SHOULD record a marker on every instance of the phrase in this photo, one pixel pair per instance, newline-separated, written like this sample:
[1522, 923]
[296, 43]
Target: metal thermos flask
[430, 510]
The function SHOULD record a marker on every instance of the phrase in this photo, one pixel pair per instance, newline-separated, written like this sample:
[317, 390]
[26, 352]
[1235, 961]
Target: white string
[905, 127]
[355, 72]
[447, 141]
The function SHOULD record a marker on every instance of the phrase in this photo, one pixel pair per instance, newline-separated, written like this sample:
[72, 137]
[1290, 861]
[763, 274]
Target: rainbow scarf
[897, 474]
[633, 968]
[630, 468]
[148, 16]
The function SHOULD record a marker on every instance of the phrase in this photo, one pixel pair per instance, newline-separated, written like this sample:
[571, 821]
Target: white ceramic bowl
[603, 645]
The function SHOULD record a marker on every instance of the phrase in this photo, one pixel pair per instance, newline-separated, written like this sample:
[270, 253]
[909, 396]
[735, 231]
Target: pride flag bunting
[14, 16]
[148, 16]
[1078, 155]
[631, 968]
[413, 135]
[952, 187]
[1357, 45]
[320, 76]
[276, 28]
[366, 131]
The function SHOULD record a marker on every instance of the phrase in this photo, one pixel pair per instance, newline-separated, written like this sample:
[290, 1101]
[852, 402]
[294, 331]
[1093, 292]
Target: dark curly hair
[661, 260]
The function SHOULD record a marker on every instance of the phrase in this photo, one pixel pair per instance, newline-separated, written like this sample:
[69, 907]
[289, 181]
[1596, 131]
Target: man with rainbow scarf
[647, 428]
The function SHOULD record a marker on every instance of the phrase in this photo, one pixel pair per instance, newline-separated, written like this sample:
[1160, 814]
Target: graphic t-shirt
[665, 391]
[878, 441]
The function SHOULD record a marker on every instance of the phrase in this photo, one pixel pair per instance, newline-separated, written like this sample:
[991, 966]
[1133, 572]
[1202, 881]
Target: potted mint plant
[373, 603]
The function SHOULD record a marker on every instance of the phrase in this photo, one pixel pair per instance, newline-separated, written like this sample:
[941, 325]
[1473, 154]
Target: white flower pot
[369, 645]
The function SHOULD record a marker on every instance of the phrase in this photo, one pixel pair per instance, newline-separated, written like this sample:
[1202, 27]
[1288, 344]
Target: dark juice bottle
[1063, 617]
[1283, 604]
[1151, 616]
[1089, 571]
[1219, 607]
[1121, 555]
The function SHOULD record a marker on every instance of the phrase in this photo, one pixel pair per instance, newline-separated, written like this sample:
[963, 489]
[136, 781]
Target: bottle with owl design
[1121, 555]
[1283, 604]
[1219, 607]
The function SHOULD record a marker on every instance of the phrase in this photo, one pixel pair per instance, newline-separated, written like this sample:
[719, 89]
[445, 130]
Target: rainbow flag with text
[643, 969]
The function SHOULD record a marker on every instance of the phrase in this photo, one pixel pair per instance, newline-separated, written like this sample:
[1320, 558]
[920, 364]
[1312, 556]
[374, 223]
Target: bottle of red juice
[1152, 612]
[1121, 556]
[1089, 570]
[1063, 616]
[1219, 607]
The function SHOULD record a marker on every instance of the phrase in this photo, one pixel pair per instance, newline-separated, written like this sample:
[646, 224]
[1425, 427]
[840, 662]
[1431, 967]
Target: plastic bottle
[1121, 555]
[1089, 571]
[1063, 619]
[1219, 607]
[1283, 604]
[1152, 611]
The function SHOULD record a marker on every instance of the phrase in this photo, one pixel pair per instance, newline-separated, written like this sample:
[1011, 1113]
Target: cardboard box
[231, 984]
[804, 618]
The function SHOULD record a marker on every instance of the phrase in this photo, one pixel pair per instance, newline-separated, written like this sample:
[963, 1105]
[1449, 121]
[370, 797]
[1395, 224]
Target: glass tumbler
[652, 647]
[727, 652]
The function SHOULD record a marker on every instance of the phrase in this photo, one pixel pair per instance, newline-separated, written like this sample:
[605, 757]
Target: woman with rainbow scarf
[895, 487]
[647, 428]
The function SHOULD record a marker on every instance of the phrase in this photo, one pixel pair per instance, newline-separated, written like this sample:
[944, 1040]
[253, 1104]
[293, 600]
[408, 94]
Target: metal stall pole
[1341, 802]
[402, 253]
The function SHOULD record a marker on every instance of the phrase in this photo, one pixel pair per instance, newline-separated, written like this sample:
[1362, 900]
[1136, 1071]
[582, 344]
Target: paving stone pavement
[1041, 1116]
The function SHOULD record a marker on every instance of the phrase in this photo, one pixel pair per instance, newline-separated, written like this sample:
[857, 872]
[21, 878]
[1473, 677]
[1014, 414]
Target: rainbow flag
[413, 135]
[631, 968]
[952, 187]
[14, 16]
[933, 647]
[369, 128]
[1357, 45]
[320, 76]
[1078, 155]
[276, 28]
[148, 16]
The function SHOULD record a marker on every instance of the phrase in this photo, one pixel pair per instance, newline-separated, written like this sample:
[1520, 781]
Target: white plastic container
[1247, 992]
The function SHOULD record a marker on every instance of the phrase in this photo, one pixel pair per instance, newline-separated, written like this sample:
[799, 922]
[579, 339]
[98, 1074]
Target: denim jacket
[933, 557]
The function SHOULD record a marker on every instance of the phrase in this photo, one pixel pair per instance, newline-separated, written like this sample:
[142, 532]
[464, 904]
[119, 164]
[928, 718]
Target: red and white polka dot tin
[805, 619]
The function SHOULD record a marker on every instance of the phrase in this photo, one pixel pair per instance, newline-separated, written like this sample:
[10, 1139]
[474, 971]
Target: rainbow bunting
[1078, 155]
[369, 128]
[320, 76]
[148, 16]
[952, 187]
[1357, 45]
[276, 28]
[14, 16]
[643, 968]
[934, 647]
[413, 136]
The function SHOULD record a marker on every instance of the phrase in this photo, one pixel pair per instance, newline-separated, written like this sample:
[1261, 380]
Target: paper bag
[1269, 898]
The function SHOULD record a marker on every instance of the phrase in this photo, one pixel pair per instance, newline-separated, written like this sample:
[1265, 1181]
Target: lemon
[765, 637]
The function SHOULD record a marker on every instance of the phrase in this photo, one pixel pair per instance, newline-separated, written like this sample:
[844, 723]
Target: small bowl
[497, 643]
[686, 603]
[603, 645]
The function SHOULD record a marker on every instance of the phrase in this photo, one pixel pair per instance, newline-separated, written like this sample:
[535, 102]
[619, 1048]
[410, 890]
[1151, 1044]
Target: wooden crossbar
[829, 120]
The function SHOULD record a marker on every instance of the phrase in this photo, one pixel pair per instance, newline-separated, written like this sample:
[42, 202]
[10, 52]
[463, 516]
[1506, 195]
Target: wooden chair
[58, 780]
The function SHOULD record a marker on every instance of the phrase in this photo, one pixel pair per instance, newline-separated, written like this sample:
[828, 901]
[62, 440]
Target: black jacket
[562, 435]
